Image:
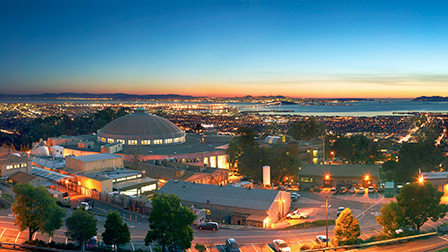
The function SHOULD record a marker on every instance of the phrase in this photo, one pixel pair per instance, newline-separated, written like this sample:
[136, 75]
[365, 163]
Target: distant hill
[116, 96]
[431, 98]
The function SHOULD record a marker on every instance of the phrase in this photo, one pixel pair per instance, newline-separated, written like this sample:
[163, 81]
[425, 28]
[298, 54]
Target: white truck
[87, 204]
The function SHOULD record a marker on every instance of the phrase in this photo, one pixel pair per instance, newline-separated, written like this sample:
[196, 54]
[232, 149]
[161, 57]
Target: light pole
[326, 217]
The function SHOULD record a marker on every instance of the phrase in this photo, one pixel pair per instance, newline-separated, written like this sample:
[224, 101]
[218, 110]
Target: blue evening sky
[298, 48]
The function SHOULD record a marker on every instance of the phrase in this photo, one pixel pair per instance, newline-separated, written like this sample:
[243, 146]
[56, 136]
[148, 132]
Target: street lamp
[326, 216]
[421, 180]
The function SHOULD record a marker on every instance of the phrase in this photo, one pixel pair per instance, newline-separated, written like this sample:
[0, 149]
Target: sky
[295, 48]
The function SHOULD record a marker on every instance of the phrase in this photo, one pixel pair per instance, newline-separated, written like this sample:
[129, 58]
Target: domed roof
[40, 150]
[141, 123]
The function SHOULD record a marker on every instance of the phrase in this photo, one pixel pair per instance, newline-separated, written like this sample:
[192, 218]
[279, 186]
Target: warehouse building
[232, 205]
[311, 175]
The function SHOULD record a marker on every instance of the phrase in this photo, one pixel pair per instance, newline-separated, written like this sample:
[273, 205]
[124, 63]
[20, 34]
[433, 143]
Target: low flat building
[94, 163]
[23, 178]
[13, 162]
[311, 175]
[437, 179]
[196, 174]
[232, 205]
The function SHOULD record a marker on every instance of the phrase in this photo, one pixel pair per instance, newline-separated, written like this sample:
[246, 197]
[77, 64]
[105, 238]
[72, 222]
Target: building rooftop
[339, 170]
[54, 163]
[22, 177]
[96, 157]
[134, 182]
[229, 196]
[435, 175]
[51, 175]
[114, 173]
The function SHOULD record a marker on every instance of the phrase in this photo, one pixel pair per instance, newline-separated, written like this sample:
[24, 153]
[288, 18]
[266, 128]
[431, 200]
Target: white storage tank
[266, 175]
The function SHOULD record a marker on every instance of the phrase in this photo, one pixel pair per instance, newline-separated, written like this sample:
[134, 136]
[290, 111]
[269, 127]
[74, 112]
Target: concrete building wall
[103, 186]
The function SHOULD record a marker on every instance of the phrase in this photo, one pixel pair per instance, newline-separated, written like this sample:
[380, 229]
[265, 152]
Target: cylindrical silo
[266, 175]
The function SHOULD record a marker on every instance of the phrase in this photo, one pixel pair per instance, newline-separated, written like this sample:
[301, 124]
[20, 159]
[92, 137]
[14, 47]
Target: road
[364, 207]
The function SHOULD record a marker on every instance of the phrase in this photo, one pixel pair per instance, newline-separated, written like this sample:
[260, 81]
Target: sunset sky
[296, 48]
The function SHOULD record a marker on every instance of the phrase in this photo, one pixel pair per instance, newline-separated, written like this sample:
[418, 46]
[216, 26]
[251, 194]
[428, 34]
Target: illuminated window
[168, 141]
[182, 139]
[213, 161]
[23, 165]
[149, 188]
[206, 161]
[158, 141]
[132, 142]
[307, 180]
[121, 141]
[103, 139]
[8, 167]
[146, 142]
[177, 139]
[110, 140]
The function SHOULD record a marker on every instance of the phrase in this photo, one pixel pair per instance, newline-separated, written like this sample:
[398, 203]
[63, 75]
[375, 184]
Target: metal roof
[51, 175]
[229, 196]
[96, 157]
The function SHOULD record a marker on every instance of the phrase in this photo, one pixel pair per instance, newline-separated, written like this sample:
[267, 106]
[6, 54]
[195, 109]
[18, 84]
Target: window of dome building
[110, 140]
[146, 142]
[177, 139]
[182, 139]
[158, 141]
[132, 142]
[121, 141]
[103, 139]
[168, 140]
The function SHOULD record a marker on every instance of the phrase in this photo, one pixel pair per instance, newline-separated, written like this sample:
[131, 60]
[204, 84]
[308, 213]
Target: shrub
[200, 247]
[305, 247]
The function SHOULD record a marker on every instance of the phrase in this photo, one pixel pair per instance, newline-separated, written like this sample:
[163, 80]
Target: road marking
[313, 242]
[445, 237]
[362, 213]
[17, 237]
[133, 248]
[150, 248]
[206, 248]
[366, 235]
[378, 232]
[254, 247]
[35, 234]
[49, 240]
[2, 233]
[299, 243]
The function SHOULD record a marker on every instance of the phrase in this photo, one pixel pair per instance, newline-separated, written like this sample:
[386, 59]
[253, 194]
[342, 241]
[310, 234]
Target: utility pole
[326, 217]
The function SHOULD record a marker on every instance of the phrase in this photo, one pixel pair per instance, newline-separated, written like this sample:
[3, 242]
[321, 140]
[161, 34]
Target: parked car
[295, 196]
[343, 190]
[380, 189]
[281, 246]
[352, 190]
[361, 190]
[232, 246]
[92, 243]
[339, 211]
[297, 215]
[333, 190]
[371, 189]
[209, 226]
[321, 239]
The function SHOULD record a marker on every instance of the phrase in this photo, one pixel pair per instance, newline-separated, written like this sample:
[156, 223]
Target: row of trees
[36, 210]
[251, 157]
[415, 204]
[54, 126]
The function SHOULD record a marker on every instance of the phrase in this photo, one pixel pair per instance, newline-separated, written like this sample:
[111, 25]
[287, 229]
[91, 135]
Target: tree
[242, 143]
[116, 231]
[36, 209]
[391, 217]
[169, 222]
[81, 226]
[346, 228]
[419, 203]
[307, 129]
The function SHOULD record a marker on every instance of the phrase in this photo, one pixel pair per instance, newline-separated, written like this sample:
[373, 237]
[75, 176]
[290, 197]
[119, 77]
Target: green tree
[36, 209]
[169, 222]
[81, 226]
[391, 217]
[307, 129]
[346, 228]
[116, 232]
[242, 143]
[419, 203]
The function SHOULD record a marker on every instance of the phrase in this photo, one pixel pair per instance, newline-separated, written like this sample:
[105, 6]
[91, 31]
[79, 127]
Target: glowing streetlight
[327, 177]
[366, 177]
[421, 180]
